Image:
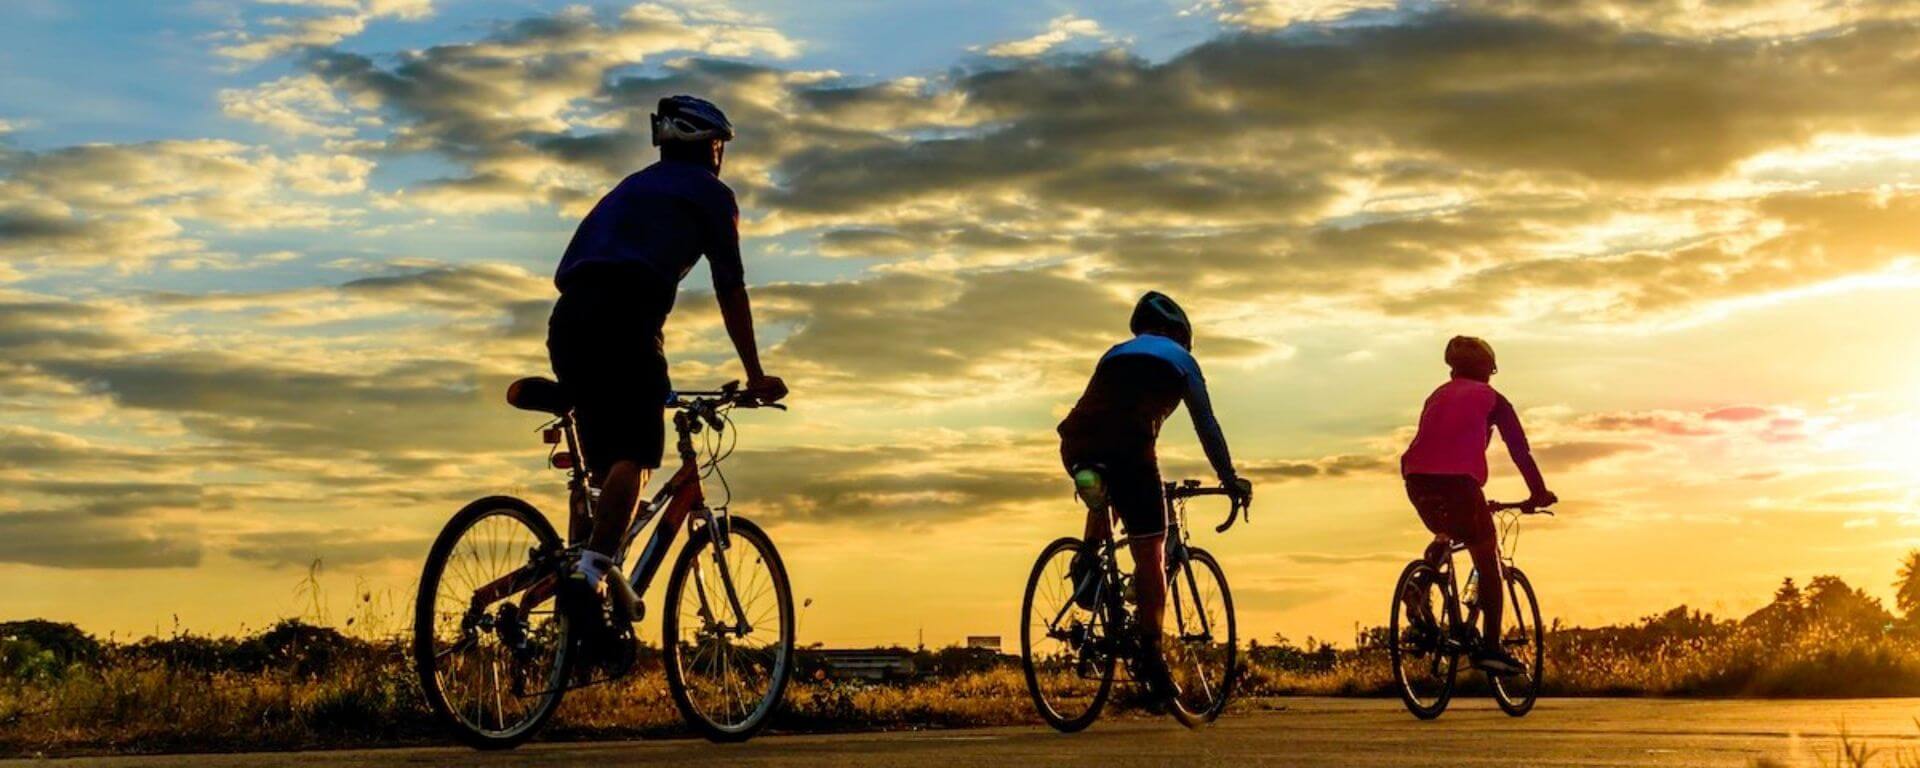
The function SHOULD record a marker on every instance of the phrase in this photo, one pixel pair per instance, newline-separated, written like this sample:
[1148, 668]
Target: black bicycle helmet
[689, 118]
[1471, 355]
[1157, 314]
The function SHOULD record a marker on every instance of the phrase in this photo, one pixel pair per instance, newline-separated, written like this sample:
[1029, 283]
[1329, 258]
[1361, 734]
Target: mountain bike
[1070, 653]
[495, 656]
[1426, 659]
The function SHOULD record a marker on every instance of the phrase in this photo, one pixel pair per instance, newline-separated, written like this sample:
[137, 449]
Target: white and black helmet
[1157, 314]
[688, 118]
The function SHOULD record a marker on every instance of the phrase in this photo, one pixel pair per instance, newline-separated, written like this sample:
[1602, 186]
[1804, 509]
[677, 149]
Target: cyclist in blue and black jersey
[1112, 431]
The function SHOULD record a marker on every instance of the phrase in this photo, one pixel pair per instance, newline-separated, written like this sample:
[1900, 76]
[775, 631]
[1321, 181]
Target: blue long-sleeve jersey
[1136, 386]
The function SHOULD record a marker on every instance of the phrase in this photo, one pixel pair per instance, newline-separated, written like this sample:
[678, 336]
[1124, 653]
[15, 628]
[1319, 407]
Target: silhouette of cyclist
[1112, 430]
[1446, 469]
[617, 284]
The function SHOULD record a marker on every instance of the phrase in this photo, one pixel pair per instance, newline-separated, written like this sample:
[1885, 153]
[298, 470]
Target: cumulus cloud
[1060, 31]
[128, 204]
[338, 20]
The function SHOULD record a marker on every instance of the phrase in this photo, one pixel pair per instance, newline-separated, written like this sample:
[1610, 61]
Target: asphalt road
[1335, 733]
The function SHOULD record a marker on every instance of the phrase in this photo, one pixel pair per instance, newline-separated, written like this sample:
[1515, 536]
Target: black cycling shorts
[606, 342]
[1133, 485]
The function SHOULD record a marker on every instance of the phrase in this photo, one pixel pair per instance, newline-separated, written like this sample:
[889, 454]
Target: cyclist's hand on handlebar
[1240, 488]
[766, 389]
[1543, 500]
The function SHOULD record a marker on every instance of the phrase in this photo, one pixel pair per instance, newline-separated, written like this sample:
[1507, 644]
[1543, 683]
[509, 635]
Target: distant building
[864, 664]
[984, 642]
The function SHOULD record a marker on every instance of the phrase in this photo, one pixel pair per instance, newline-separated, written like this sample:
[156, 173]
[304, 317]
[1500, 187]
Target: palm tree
[1906, 593]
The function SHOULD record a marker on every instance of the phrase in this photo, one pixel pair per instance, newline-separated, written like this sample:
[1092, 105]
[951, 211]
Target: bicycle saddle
[538, 393]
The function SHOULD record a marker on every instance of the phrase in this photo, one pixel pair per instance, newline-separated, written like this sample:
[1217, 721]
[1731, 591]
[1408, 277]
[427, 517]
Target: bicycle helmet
[1471, 355]
[1157, 314]
[688, 118]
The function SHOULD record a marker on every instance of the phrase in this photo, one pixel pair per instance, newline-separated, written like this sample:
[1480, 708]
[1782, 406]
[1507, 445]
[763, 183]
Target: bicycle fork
[721, 534]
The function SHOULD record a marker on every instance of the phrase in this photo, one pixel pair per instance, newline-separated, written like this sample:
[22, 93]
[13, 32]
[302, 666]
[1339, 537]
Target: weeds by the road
[302, 685]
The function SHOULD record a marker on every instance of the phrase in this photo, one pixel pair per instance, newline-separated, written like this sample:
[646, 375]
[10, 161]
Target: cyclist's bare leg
[619, 494]
[1099, 527]
[1492, 589]
[1415, 598]
[1150, 582]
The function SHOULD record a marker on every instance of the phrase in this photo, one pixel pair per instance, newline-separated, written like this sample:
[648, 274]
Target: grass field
[300, 685]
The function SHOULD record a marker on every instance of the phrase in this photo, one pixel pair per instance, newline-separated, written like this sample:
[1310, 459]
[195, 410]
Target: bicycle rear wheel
[1063, 647]
[492, 662]
[1425, 661]
[727, 670]
[1202, 654]
[1523, 636]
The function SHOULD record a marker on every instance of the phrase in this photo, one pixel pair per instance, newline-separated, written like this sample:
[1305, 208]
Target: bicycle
[495, 656]
[1069, 653]
[1426, 660]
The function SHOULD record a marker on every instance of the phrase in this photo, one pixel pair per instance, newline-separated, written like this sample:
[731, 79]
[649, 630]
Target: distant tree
[1906, 591]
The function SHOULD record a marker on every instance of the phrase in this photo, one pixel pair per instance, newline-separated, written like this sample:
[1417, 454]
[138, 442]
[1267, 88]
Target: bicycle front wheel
[1203, 652]
[1420, 630]
[1523, 636]
[1064, 647]
[728, 631]
[491, 653]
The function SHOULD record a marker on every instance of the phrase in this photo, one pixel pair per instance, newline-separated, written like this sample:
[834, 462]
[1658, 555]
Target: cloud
[1060, 31]
[934, 482]
[297, 105]
[66, 539]
[279, 35]
[335, 547]
[1282, 471]
[1576, 454]
[1275, 14]
[128, 205]
[513, 107]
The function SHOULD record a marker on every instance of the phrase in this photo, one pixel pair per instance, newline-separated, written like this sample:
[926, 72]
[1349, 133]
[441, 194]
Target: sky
[267, 267]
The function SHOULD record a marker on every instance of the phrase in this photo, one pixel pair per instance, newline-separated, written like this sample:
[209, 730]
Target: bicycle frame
[1450, 588]
[680, 501]
[1173, 497]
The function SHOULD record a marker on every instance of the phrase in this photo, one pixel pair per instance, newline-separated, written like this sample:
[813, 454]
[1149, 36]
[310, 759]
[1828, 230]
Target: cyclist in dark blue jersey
[617, 283]
[1112, 430]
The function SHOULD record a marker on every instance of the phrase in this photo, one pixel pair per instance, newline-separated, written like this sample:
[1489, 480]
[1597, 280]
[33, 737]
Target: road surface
[1302, 732]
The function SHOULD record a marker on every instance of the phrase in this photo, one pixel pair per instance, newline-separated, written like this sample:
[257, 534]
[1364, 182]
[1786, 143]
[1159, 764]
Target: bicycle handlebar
[729, 394]
[1186, 489]
[1521, 507]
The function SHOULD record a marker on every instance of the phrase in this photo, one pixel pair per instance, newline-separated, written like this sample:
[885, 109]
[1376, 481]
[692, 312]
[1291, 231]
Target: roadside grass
[302, 685]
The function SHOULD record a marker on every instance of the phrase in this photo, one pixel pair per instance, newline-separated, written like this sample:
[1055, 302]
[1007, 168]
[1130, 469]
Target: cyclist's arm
[730, 283]
[1200, 407]
[1508, 422]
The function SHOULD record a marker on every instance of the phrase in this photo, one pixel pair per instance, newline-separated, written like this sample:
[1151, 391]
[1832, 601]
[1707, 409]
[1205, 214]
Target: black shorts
[1453, 506]
[605, 339]
[1133, 485]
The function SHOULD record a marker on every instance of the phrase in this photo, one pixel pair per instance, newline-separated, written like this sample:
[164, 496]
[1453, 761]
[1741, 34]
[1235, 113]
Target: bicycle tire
[1061, 722]
[740, 530]
[1396, 631]
[1207, 712]
[1522, 703]
[425, 622]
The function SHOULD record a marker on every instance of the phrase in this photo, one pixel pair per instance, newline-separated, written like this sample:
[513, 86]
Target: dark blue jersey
[657, 223]
[1136, 386]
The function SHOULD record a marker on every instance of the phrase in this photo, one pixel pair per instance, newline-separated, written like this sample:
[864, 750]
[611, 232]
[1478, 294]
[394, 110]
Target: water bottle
[1091, 488]
[1471, 596]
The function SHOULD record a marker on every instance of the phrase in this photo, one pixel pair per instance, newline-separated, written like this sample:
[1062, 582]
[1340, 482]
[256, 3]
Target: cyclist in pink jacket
[1446, 468]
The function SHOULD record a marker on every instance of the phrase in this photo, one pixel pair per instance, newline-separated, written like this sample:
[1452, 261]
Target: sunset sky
[267, 267]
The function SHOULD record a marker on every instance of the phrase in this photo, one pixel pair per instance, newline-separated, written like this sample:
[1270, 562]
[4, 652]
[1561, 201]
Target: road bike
[1070, 654]
[1426, 658]
[494, 655]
